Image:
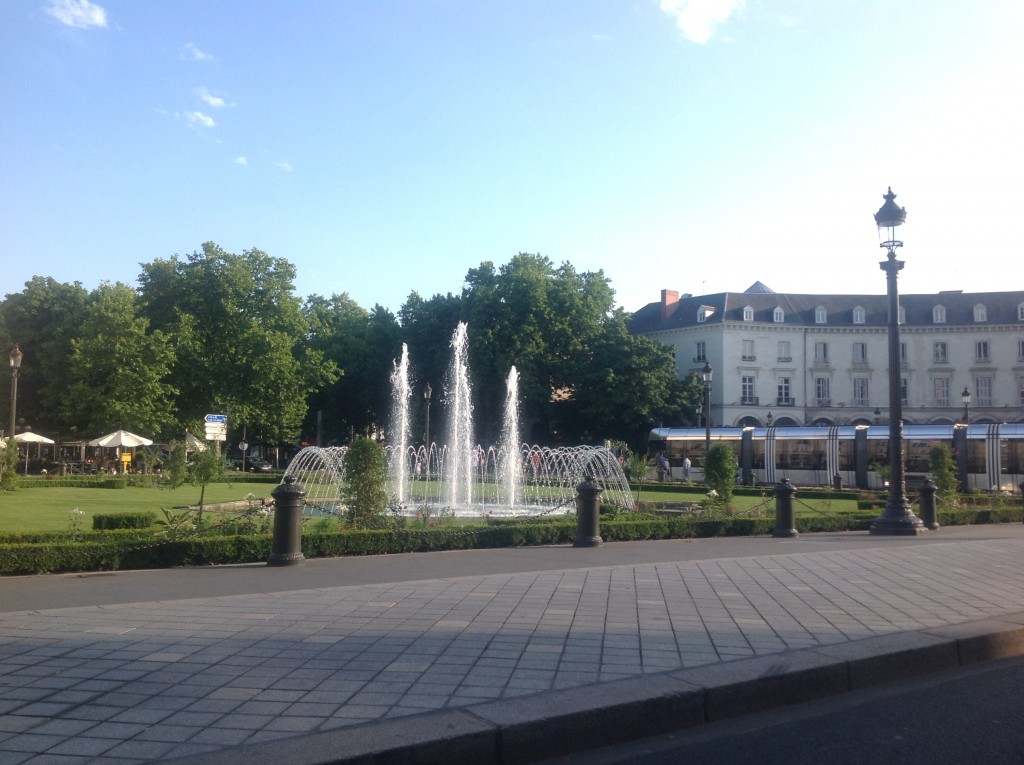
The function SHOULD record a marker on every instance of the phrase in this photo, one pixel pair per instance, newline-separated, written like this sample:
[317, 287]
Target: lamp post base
[898, 521]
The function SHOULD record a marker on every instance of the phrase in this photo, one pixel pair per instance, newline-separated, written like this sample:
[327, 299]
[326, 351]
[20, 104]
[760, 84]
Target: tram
[988, 456]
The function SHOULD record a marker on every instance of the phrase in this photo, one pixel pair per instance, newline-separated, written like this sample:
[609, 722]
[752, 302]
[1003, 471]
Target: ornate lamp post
[898, 518]
[427, 392]
[706, 374]
[16, 355]
[966, 398]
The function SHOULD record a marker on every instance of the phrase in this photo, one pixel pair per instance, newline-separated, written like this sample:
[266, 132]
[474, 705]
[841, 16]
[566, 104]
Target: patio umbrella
[32, 438]
[121, 438]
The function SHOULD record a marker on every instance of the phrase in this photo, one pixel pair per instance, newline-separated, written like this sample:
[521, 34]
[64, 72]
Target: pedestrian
[686, 467]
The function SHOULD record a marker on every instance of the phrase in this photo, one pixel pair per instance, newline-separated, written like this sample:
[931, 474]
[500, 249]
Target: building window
[1020, 312]
[748, 313]
[902, 316]
[747, 391]
[903, 353]
[859, 316]
[701, 354]
[860, 391]
[748, 351]
[785, 398]
[820, 315]
[785, 354]
[980, 313]
[983, 389]
[860, 353]
[939, 355]
[941, 387]
[939, 314]
[1020, 387]
[903, 390]
[778, 315]
[821, 352]
[1020, 350]
[981, 351]
[821, 391]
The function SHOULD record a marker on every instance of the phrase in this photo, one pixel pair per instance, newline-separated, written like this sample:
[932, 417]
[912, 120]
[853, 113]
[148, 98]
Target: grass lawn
[46, 509]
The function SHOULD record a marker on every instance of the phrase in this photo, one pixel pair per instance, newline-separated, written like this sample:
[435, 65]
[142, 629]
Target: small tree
[366, 475]
[177, 466]
[720, 471]
[943, 470]
[207, 467]
[9, 466]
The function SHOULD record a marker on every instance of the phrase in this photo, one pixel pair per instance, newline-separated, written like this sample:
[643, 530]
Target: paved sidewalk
[505, 668]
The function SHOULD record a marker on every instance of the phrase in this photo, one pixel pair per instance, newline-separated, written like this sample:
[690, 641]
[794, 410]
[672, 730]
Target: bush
[138, 520]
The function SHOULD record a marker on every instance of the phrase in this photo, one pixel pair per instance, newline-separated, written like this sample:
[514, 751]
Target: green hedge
[133, 549]
[136, 520]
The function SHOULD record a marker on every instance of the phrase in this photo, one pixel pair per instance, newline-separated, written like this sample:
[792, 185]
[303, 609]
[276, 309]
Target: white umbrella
[32, 438]
[121, 438]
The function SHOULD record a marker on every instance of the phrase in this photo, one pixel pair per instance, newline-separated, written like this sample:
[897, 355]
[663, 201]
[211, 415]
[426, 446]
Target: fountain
[458, 477]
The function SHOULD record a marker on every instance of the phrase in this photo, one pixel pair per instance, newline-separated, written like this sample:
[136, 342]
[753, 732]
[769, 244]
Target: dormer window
[939, 314]
[859, 316]
[704, 312]
[902, 318]
[778, 315]
[980, 313]
[820, 315]
[748, 313]
[1020, 312]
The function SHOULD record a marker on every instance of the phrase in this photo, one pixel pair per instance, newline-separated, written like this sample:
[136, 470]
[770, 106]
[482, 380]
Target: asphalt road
[106, 588]
[961, 717]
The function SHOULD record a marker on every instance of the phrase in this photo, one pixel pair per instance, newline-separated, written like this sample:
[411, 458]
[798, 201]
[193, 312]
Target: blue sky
[387, 146]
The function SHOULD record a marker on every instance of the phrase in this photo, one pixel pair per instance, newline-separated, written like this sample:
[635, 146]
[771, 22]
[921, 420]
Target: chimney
[669, 303]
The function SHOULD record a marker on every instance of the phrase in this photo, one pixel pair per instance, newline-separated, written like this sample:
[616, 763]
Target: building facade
[788, 359]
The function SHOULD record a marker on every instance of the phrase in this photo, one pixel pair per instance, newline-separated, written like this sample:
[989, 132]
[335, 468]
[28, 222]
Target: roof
[1001, 308]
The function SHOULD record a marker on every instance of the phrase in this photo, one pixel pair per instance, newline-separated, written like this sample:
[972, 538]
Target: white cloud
[698, 18]
[285, 166]
[241, 161]
[80, 14]
[192, 52]
[200, 119]
[209, 99]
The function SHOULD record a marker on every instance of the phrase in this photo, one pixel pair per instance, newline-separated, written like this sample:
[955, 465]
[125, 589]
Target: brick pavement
[182, 677]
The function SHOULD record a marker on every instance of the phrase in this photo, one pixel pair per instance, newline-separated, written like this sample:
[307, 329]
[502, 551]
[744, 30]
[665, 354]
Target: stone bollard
[785, 517]
[588, 514]
[286, 547]
[928, 489]
[837, 482]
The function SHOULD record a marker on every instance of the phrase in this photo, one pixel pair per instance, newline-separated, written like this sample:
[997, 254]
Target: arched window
[858, 314]
[980, 312]
[778, 316]
[820, 315]
[939, 314]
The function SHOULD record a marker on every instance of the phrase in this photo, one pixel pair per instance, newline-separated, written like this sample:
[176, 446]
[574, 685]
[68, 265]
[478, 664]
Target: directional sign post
[216, 427]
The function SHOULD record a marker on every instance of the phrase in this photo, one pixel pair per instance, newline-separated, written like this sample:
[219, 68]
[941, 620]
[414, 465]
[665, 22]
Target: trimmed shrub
[136, 520]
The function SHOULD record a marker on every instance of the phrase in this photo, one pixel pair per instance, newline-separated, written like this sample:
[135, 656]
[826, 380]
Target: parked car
[256, 465]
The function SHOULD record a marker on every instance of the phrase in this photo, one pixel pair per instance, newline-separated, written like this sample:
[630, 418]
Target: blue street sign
[217, 418]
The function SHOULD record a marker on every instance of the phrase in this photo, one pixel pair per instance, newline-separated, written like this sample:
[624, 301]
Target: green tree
[117, 369]
[240, 336]
[943, 470]
[207, 467]
[720, 472]
[366, 474]
[43, 319]
[9, 466]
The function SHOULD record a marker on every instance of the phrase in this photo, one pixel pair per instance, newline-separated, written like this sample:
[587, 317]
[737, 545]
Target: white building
[823, 359]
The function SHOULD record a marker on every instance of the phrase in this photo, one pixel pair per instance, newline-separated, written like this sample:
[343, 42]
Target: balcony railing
[751, 357]
[824, 402]
[750, 400]
[785, 401]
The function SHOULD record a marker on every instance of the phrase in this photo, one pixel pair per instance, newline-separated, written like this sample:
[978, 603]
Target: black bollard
[785, 517]
[928, 489]
[286, 547]
[837, 482]
[588, 514]
[1022, 490]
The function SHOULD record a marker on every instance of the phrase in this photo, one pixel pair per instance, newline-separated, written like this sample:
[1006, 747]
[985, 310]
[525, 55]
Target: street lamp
[768, 420]
[966, 397]
[706, 374]
[427, 392]
[898, 518]
[16, 355]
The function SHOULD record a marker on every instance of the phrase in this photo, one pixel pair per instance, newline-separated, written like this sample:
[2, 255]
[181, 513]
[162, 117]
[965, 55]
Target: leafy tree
[207, 467]
[943, 470]
[43, 319]
[118, 369]
[363, 344]
[366, 474]
[9, 466]
[176, 472]
[720, 471]
[240, 336]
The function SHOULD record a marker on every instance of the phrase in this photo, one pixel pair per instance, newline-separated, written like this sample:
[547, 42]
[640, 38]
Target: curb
[532, 728]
